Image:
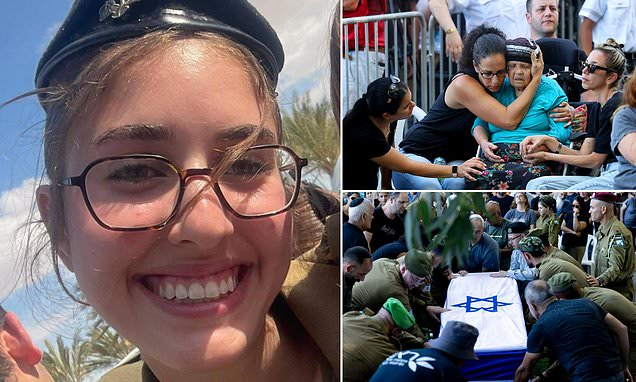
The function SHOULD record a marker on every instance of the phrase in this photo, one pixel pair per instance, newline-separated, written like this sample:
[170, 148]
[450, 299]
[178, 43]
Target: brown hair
[75, 92]
[629, 94]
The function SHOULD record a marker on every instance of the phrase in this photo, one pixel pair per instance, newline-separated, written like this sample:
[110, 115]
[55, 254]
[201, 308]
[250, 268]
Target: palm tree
[67, 364]
[311, 131]
[107, 347]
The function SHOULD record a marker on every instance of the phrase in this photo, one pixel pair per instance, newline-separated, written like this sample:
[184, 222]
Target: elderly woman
[500, 145]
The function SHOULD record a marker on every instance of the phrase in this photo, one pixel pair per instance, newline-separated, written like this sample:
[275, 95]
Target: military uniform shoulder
[618, 239]
[129, 370]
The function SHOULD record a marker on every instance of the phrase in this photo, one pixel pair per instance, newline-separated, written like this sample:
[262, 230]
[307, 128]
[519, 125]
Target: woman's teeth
[196, 290]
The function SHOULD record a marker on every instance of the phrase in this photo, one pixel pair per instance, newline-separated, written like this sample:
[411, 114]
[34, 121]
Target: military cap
[356, 202]
[419, 262]
[94, 23]
[562, 282]
[607, 197]
[518, 227]
[402, 318]
[531, 244]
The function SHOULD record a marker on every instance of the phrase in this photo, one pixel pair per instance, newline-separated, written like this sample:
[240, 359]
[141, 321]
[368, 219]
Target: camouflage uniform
[550, 224]
[614, 263]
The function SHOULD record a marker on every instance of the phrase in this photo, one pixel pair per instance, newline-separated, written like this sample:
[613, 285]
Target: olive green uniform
[550, 266]
[384, 281]
[562, 255]
[614, 262]
[366, 344]
[552, 226]
[621, 308]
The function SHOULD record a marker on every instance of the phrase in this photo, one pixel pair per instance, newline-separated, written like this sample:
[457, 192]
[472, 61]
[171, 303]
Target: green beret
[531, 244]
[562, 282]
[419, 263]
[402, 318]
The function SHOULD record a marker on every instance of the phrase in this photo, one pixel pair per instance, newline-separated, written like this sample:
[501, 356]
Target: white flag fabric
[490, 304]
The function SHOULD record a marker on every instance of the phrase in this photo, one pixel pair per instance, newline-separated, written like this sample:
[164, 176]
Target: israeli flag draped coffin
[493, 306]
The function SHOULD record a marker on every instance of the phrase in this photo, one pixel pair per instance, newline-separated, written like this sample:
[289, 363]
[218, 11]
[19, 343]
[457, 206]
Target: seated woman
[445, 131]
[624, 138]
[602, 74]
[500, 145]
[365, 147]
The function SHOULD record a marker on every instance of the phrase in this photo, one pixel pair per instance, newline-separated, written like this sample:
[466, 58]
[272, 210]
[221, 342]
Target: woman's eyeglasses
[592, 67]
[488, 75]
[394, 91]
[143, 191]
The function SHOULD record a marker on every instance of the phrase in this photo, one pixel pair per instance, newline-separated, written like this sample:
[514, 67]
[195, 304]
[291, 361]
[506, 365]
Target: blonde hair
[615, 59]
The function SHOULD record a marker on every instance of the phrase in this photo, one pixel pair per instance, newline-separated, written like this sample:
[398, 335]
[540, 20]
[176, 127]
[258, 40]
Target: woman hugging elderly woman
[500, 145]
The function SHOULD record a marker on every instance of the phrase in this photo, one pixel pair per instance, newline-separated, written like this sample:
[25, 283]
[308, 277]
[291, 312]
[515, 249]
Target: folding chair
[589, 256]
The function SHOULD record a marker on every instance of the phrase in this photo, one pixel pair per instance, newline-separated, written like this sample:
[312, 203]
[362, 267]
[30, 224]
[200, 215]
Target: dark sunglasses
[592, 67]
[394, 91]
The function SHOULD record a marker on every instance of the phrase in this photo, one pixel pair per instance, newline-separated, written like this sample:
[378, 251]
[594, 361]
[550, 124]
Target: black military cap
[518, 227]
[92, 23]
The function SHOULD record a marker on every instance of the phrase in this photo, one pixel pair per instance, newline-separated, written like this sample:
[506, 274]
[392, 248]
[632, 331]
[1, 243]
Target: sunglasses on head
[592, 67]
[394, 91]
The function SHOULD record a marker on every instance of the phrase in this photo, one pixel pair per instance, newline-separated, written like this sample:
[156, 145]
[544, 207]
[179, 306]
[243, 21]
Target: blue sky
[26, 27]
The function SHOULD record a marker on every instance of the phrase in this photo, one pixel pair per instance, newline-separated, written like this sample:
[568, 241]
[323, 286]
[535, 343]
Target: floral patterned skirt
[513, 173]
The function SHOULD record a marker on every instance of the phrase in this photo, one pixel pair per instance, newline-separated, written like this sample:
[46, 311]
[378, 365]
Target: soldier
[548, 222]
[564, 286]
[369, 340]
[532, 249]
[551, 251]
[614, 264]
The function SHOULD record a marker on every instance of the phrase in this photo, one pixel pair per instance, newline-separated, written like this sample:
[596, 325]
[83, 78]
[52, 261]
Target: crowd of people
[539, 240]
[528, 127]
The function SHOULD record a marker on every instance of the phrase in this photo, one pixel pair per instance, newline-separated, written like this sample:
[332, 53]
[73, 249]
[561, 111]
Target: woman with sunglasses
[602, 74]
[446, 130]
[575, 229]
[365, 143]
[170, 192]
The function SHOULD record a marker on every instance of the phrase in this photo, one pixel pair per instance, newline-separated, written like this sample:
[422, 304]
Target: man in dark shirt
[441, 361]
[387, 225]
[356, 263]
[579, 332]
[360, 216]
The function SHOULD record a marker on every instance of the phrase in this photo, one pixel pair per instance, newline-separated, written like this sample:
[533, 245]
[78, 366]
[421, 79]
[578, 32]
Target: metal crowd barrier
[402, 57]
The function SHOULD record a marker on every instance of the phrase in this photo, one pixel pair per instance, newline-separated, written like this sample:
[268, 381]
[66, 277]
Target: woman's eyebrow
[240, 132]
[143, 132]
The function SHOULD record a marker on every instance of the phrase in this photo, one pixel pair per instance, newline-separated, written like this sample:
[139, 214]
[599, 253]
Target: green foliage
[311, 131]
[94, 348]
[428, 224]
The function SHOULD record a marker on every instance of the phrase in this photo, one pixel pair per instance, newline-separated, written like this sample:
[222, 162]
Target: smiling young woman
[162, 146]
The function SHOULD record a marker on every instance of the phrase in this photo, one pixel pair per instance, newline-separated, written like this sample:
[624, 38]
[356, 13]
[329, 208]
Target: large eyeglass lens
[133, 192]
[261, 181]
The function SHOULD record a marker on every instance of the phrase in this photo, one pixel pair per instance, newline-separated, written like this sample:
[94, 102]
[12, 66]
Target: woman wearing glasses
[365, 145]
[602, 74]
[170, 194]
[500, 147]
[445, 132]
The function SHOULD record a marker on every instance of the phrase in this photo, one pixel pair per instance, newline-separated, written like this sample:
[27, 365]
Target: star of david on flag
[470, 300]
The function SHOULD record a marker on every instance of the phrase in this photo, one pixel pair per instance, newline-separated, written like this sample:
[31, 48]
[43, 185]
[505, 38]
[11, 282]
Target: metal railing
[401, 54]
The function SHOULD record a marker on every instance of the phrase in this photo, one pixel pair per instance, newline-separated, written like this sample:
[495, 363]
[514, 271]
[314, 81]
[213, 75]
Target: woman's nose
[202, 218]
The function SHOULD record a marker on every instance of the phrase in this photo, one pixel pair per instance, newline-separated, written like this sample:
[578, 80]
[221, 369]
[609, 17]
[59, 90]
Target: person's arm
[627, 148]
[620, 332]
[564, 228]
[467, 92]
[622, 211]
[585, 35]
[482, 136]
[585, 157]
[350, 5]
[523, 372]
[396, 161]
[454, 44]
